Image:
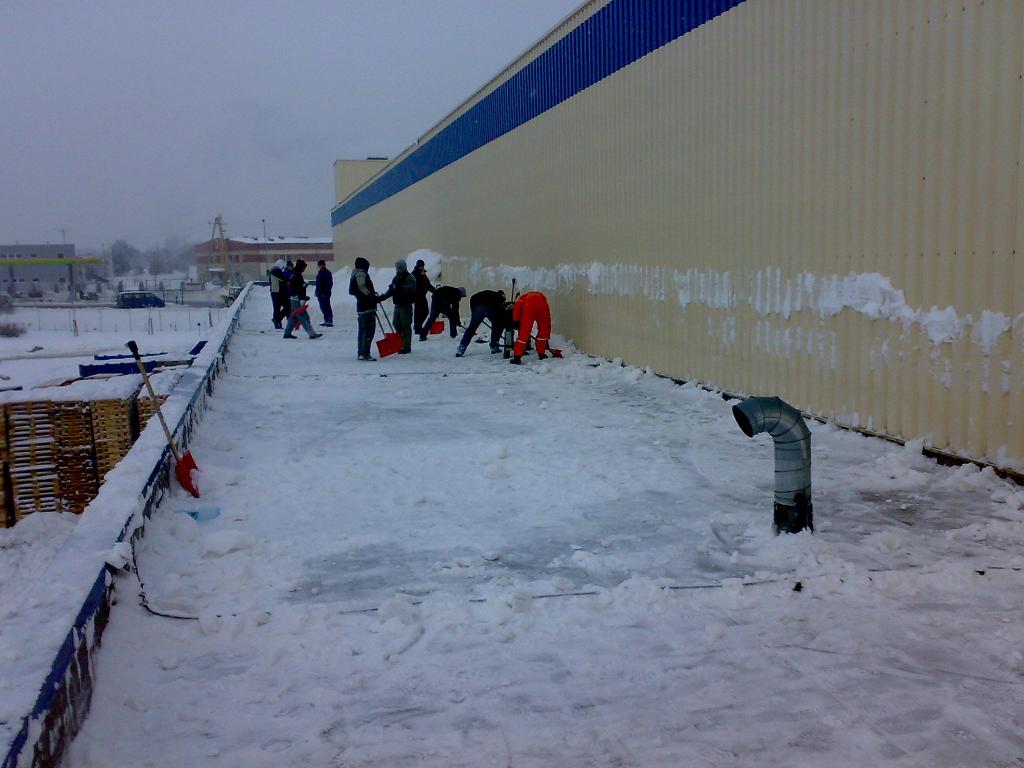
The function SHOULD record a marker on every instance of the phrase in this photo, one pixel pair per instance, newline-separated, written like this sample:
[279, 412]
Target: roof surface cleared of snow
[435, 561]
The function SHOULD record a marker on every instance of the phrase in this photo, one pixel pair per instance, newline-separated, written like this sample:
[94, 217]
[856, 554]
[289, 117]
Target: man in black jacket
[299, 313]
[444, 302]
[402, 292]
[486, 305]
[324, 286]
[361, 286]
[278, 292]
[423, 287]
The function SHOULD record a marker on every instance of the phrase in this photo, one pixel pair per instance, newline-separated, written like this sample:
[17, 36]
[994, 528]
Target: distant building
[249, 258]
[31, 268]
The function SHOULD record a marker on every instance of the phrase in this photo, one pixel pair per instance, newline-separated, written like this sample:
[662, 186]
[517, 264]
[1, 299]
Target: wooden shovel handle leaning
[156, 403]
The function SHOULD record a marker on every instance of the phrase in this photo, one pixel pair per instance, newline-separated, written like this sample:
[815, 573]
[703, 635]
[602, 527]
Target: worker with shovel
[402, 292]
[444, 302]
[486, 305]
[531, 307]
[361, 286]
[299, 299]
[423, 287]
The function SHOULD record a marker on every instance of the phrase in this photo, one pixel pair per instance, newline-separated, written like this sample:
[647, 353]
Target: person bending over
[444, 302]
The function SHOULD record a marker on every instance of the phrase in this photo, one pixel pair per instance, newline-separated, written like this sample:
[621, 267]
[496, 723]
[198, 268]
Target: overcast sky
[143, 120]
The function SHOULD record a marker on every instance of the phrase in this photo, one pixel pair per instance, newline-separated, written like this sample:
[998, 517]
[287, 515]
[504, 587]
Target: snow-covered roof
[283, 240]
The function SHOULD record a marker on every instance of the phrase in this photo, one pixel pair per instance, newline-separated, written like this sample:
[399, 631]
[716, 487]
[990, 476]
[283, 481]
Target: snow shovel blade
[555, 352]
[183, 471]
[437, 327]
[387, 346]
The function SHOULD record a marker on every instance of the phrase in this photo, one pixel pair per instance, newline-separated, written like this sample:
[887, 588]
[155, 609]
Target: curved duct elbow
[793, 508]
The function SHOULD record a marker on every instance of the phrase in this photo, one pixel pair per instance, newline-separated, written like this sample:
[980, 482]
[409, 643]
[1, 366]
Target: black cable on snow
[143, 601]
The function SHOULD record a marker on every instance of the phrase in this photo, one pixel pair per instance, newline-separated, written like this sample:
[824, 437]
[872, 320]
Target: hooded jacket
[361, 286]
[423, 286]
[449, 295]
[402, 290]
[493, 300]
[278, 280]
[297, 286]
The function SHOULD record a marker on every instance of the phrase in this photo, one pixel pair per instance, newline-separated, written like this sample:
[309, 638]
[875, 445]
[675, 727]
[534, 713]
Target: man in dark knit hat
[423, 287]
[402, 292]
[361, 286]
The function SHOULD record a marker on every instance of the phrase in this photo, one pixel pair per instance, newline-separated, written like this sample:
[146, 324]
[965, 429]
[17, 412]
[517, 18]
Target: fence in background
[111, 320]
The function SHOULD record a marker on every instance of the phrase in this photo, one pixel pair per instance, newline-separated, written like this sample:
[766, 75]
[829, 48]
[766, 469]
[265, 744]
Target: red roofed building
[249, 258]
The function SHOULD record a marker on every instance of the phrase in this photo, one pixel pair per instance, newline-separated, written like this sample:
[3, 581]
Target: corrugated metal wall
[818, 199]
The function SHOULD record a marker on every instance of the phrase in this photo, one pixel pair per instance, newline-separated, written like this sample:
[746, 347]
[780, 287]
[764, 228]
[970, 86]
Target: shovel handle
[389, 321]
[149, 385]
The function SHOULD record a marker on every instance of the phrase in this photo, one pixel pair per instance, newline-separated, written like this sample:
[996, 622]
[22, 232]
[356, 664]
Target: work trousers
[480, 314]
[438, 308]
[296, 318]
[325, 309]
[535, 310]
[421, 311]
[402, 318]
[280, 301]
[367, 326]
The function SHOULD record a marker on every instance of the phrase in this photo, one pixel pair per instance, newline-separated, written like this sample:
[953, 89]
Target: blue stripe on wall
[614, 37]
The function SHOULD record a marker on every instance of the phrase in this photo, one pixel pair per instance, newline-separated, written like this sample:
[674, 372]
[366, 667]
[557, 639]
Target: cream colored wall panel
[350, 175]
[820, 200]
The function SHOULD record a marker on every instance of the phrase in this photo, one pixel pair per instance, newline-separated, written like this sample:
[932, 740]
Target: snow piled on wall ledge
[868, 293]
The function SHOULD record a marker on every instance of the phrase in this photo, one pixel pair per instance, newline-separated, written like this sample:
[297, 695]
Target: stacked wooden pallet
[114, 427]
[32, 446]
[76, 459]
[59, 443]
[147, 408]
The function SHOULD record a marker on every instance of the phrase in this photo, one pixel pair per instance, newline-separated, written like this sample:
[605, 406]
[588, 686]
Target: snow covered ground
[27, 548]
[49, 351]
[435, 561]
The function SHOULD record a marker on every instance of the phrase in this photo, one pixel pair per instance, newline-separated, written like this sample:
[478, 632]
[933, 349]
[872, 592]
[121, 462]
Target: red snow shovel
[391, 342]
[437, 327]
[554, 352]
[183, 463]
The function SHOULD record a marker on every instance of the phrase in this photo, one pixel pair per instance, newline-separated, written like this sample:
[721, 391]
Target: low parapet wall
[46, 649]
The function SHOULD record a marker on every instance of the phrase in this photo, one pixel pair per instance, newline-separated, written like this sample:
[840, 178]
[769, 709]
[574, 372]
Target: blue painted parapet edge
[65, 695]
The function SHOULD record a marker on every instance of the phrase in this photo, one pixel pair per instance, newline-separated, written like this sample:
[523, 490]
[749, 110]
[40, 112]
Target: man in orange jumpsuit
[530, 308]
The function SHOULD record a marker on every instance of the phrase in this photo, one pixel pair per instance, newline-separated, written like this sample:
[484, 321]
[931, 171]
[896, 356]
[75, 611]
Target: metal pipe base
[794, 519]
